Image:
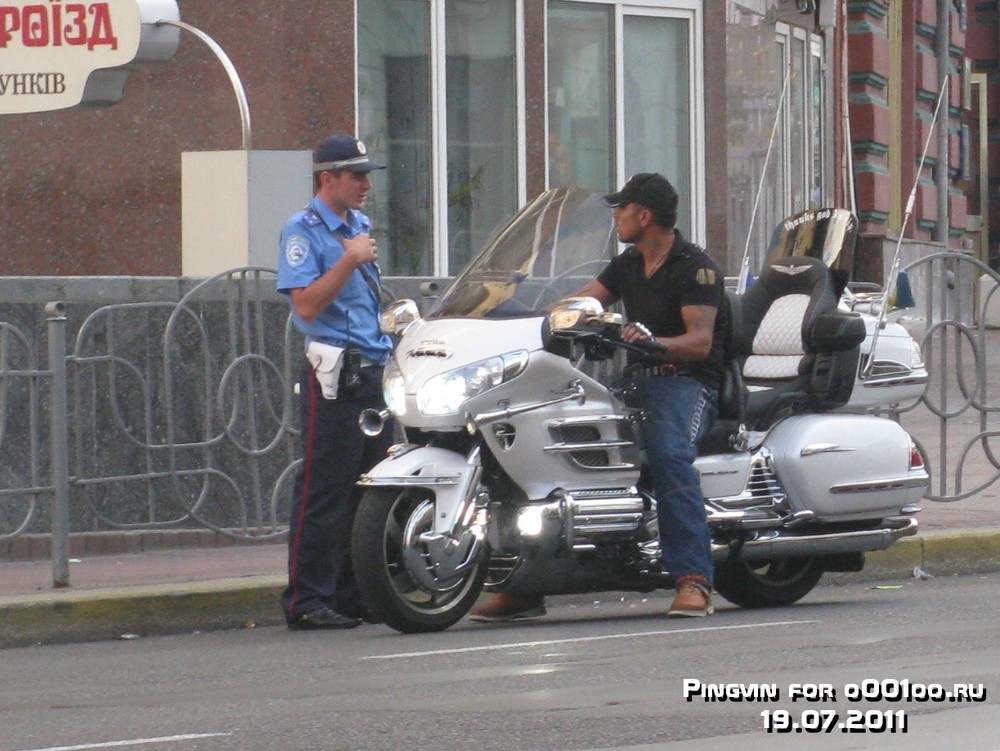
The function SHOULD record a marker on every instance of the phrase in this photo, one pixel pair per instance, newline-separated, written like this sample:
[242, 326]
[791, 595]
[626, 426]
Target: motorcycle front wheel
[763, 584]
[386, 544]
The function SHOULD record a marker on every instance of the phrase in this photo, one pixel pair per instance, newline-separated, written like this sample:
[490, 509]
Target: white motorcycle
[522, 469]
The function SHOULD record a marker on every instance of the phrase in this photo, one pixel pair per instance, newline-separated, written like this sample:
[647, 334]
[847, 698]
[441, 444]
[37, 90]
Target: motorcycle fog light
[529, 521]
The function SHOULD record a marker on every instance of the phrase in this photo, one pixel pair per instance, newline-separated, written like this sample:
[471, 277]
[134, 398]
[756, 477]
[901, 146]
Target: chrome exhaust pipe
[372, 421]
[782, 545]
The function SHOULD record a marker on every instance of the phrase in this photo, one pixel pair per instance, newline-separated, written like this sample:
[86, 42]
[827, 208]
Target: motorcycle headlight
[444, 394]
[394, 389]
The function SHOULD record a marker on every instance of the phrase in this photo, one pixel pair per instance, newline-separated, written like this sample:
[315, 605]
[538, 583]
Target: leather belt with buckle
[668, 369]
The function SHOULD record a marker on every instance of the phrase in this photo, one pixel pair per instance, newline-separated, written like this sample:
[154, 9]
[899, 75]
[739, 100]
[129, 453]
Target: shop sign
[51, 49]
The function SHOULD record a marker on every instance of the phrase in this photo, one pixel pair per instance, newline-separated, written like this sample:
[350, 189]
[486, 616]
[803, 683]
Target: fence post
[59, 439]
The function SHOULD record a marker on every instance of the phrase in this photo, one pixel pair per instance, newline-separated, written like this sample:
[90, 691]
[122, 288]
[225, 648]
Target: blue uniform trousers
[325, 498]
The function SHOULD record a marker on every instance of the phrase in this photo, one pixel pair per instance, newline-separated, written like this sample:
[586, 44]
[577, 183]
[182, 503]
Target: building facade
[478, 105]
[907, 91]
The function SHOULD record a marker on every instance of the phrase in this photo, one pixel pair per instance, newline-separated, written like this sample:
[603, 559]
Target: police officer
[327, 267]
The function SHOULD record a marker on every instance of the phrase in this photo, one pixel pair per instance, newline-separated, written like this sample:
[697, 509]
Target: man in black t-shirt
[673, 293]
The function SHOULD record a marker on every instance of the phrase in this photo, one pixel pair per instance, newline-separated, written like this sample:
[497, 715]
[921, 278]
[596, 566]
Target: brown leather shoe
[508, 607]
[693, 600]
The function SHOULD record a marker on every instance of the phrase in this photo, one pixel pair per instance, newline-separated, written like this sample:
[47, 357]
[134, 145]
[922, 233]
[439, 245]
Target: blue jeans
[679, 412]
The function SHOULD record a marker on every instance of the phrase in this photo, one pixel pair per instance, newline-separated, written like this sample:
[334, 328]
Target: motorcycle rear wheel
[765, 584]
[385, 533]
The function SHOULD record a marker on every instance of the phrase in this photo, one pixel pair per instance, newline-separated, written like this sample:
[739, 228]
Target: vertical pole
[59, 440]
[942, 40]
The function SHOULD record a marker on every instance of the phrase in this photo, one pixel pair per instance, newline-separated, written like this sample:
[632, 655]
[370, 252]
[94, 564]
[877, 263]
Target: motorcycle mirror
[572, 311]
[398, 316]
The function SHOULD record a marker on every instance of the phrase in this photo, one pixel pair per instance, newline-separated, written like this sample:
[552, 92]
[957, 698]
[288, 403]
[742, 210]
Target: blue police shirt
[310, 246]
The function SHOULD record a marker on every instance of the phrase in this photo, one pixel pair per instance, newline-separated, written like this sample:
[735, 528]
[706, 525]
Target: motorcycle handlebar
[611, 336]
[646, 347]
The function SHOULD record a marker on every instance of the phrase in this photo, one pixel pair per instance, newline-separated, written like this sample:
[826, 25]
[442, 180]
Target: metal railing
[958, 327]
[167, 415]
[163, 415]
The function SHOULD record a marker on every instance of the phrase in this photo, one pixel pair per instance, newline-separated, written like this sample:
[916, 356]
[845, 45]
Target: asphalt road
[600, 673]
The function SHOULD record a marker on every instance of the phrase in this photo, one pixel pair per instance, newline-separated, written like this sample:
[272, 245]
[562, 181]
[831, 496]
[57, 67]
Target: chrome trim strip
[408, 480]
[824, 448]
[575, 392]
[890, 483]
[876, 383]
[601, 467]
[559, 422]
[586, 446]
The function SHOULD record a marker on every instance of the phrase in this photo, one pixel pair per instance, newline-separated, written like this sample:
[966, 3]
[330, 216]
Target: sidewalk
[200, 589]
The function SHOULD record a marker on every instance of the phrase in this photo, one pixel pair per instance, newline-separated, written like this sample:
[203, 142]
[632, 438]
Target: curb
[245, 602]
[951, 553]
[129, 612]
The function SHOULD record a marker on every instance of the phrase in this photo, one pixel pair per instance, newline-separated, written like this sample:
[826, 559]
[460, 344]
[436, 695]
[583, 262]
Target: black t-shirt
[688, 277]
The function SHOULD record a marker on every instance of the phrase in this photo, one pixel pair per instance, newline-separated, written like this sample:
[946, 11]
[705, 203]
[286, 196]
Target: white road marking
[524, 644]
[135, 742]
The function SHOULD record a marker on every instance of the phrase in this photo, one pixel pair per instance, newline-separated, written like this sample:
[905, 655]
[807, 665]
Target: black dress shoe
[323, 618]
[363, 614]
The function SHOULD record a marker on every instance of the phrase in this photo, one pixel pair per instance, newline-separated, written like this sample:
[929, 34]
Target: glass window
[619, 95]
[482, 123]
[817, 107]
[796, 131]
[394, 121]
[403, 115]
[658, 104]
[580, 95]
[775, 87]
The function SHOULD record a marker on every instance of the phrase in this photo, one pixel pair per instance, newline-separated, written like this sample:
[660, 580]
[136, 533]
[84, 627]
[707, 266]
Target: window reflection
[394, 106]
[658, 104]
[760, 55]
[482, 124]
[398, 106]
[580, 95]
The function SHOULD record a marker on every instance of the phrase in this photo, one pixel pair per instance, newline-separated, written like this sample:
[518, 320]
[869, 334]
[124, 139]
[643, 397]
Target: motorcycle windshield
[548, 250]
[827, 234]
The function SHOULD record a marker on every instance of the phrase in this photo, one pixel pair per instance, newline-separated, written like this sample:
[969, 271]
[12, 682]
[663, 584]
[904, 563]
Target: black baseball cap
[649, 189]
[343, 152]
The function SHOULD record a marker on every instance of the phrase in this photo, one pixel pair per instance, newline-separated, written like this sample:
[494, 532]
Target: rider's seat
[797, 352]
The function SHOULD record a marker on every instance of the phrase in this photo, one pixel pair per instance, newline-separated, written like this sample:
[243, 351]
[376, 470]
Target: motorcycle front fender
[447, 475]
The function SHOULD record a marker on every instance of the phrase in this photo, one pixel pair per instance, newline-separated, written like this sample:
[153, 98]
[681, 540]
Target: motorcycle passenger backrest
[771, 341]
[826, 233]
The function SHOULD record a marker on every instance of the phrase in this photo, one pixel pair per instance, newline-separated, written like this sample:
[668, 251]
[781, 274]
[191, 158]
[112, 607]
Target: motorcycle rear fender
[447, 475]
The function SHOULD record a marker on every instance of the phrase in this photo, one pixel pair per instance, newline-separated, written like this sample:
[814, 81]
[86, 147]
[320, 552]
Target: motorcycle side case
[845, 467]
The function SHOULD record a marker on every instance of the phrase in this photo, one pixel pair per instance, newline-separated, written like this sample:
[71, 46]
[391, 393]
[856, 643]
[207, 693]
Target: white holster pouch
[327, 361]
